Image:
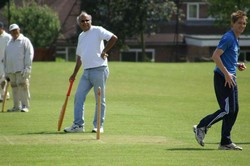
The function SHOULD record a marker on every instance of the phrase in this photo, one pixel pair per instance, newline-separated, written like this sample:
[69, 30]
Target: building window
[198, 11]
[135, 55]
[192, 11]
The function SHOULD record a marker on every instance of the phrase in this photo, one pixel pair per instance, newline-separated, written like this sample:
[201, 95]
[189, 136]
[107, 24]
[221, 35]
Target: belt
[95, 68]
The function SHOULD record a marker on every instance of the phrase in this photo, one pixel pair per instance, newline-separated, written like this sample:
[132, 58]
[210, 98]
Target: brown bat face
[62, 112]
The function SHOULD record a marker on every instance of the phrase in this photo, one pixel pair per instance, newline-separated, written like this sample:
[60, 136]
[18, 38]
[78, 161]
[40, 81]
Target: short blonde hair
[236, 15]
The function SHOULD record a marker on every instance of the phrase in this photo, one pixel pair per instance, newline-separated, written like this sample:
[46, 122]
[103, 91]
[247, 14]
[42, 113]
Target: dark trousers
[228, 101]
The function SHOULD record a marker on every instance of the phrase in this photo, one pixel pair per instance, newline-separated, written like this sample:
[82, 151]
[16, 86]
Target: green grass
[151, 108]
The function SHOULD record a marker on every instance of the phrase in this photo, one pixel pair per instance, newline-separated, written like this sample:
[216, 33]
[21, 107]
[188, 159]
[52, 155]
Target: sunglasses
[83, 21]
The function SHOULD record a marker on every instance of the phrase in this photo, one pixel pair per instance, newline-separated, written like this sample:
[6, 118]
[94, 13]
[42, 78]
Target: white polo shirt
[90, 46]
[19, 54]
[4, 39]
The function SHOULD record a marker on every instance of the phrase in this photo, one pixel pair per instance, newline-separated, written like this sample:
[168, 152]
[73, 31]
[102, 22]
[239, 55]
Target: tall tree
[131, 17]
[40, 23]
[114, 15]
[2, 3]
[221, 10]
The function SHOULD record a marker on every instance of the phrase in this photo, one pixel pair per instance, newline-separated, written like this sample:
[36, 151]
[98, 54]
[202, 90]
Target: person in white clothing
[19, 55]
[92, 55]
[4, 39]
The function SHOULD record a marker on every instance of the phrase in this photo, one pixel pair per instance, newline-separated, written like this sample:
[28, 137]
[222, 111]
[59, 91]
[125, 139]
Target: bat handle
[70, 87]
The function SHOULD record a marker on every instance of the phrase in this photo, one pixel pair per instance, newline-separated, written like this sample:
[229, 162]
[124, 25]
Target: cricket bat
[5, 95]
[62, 112]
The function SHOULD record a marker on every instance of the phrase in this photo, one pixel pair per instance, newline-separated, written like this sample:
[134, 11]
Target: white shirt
[19, 54]
[90, 46]
[4, 39]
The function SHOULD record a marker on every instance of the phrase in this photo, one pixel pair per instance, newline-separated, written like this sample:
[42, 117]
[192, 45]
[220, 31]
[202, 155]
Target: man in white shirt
[4, 39]
[19, 55]
[91, 54]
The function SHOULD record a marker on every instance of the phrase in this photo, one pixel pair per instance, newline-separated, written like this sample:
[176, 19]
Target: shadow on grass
[190, 149]
[60, 136]
[237, 143]
[54, 132]
[242, 143]
[204, 149]
[46, 132]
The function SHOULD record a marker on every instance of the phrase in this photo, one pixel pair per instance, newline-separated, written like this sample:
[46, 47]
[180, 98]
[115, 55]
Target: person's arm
[228, 76]
[28, 58]
[77, 67]
[108, 46]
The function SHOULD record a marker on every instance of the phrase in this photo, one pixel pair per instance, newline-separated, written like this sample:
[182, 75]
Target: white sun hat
[13, 26]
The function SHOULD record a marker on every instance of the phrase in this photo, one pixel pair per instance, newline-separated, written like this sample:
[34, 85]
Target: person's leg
[83, 89]
[229, 120]
[2, 86]
[15, 92]
[99, 78]
[24, 92]
[2, 81]
[222, 94]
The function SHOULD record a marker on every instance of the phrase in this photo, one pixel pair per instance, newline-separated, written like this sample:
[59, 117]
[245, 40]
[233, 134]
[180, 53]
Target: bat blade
[62, 112]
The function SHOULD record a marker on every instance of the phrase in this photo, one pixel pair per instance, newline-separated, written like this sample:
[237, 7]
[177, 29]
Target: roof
[212, 40]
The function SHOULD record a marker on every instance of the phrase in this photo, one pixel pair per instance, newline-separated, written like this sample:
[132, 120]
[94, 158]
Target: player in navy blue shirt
[225, 57]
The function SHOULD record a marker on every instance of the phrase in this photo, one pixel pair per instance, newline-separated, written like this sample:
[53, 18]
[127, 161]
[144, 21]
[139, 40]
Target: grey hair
[83, 13]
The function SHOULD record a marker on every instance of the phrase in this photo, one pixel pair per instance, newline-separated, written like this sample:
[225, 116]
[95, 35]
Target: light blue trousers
[95, 77]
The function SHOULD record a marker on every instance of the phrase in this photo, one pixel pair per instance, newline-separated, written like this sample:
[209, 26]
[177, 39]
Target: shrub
[39, 23]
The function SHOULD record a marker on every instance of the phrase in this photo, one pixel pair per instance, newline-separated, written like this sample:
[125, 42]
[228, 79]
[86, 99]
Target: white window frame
[197, 11]
[197, 4]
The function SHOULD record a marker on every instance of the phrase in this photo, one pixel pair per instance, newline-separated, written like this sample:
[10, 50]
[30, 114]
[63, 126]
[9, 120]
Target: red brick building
[193, 39]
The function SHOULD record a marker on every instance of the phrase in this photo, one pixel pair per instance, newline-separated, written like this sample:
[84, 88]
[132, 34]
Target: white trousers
[2, 80]
[20, 90]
